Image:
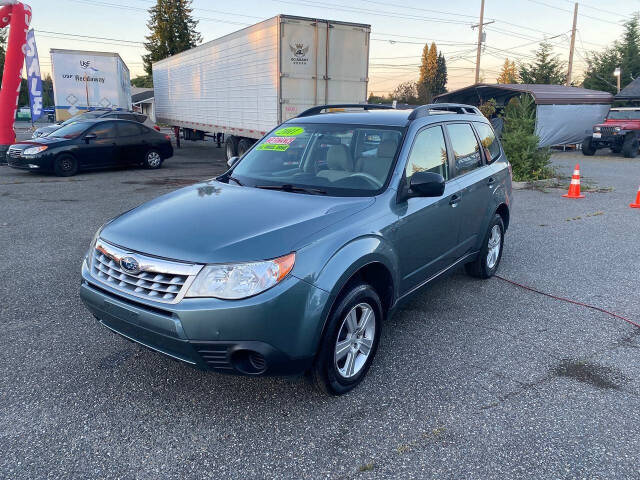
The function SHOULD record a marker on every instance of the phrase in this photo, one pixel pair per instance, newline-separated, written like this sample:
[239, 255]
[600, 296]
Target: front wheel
[153, 159]
[587, 147]
[65, 166]
[488, 260]
[630, 146]
[350, 340]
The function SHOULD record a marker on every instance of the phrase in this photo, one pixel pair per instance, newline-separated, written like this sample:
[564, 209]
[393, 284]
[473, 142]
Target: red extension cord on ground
[562, 299]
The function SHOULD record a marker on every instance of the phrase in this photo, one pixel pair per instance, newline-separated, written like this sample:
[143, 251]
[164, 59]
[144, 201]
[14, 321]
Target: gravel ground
[473, 379]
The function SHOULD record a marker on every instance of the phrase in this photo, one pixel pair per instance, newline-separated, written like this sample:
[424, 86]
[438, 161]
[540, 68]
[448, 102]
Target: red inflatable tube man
[18, 17]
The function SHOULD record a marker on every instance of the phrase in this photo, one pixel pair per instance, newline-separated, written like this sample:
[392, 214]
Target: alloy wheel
[494, 245]
[153, 159]
[355, 340]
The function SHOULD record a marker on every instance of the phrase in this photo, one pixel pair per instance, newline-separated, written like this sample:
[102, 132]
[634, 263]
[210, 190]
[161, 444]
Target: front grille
[214, 355]
[158, 280]
[607, 130]
[14, 152]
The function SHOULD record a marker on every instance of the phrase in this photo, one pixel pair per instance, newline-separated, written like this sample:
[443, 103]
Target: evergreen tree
[624, 53]
[173, 30]
[508, 73]
[440, 83]
[428, 70]
[142, 81]
[545, 68]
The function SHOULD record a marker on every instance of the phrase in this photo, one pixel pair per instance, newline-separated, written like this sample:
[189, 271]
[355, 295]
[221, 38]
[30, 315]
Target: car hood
[214, 222]
[624, 124]
[40, 141]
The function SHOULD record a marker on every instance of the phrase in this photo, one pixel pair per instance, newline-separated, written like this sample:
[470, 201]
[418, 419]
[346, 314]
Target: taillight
[169, 138]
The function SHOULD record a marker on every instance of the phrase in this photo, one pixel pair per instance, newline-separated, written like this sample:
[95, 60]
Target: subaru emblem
[130, 265]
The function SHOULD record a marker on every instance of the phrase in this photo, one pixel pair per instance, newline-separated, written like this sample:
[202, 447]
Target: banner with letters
[34, 80]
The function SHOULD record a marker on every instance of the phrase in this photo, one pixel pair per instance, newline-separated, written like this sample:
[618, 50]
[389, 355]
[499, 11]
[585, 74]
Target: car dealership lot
[472, 380]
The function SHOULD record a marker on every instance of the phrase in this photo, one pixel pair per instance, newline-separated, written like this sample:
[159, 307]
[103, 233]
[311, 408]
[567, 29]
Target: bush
[521, 144]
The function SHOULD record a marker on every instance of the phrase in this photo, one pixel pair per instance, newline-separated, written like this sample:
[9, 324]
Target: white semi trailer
[244, 84]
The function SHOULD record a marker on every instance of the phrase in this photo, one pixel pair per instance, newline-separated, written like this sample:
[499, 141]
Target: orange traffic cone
[574, 188]
[637, 202]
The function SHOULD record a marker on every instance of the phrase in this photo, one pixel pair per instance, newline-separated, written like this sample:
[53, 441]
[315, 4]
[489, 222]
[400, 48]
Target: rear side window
[105, 130]
[428, 154]
[488, 140]
[466, 150]
[129, 129]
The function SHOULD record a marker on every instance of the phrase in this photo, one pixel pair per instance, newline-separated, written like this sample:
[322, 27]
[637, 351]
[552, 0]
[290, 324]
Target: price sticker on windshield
[289, 132]
[273, 147]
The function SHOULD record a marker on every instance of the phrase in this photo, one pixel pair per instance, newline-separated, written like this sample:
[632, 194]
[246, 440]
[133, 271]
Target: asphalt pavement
[473, 379]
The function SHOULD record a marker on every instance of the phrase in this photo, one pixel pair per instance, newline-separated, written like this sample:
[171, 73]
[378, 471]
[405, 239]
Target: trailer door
[348, 64]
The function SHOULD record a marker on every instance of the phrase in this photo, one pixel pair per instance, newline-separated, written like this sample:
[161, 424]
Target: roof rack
[365, 106]
[459, 108]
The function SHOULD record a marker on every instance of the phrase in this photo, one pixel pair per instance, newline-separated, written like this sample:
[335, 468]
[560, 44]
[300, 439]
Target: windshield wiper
[230, 177]
[287, 187]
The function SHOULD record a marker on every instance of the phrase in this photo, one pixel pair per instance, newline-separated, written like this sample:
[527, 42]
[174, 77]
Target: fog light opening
[249, 362]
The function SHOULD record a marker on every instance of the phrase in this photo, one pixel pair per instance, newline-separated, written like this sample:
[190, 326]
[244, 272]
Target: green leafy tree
[47, 91]
[406, 92]
[545, 68]
[508, 72]
[440, 80]
[142, 81]
[521, 144]
[624, 53]
[428, 71]
[173, 30]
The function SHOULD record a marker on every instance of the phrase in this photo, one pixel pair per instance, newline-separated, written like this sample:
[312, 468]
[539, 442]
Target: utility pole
[573, 43]
[479, 41]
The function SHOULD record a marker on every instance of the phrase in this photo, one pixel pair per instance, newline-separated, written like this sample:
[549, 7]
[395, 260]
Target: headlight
[33, 150]
[596, 129]
[617, 129]
[240, 280]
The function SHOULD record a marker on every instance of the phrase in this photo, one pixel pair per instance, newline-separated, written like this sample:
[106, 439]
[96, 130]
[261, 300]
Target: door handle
[491, 181]
[454, 200]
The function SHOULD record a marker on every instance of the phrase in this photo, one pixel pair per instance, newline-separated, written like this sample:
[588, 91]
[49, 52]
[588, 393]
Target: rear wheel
[65, 166]
[587, 147]
[488, 260]
[630, 146]
[350, 340]
[231, 147]
[153, 159]
[244, 145]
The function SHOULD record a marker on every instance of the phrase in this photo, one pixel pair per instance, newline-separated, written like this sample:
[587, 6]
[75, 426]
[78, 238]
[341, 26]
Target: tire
[65, 166]
[587, 147]
[488, 261]
[231, 147]
[630, 146]
[244, 145]
[330, 371]
[152, 160]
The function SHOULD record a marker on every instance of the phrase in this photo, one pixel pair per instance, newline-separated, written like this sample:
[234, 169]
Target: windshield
[83, 116]
[341, 160]
[624, 115]
[70, 131]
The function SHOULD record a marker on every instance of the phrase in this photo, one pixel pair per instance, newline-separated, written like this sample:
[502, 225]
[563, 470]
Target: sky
[399, 30]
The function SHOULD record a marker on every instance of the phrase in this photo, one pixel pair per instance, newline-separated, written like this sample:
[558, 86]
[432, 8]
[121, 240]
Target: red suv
[619, 132]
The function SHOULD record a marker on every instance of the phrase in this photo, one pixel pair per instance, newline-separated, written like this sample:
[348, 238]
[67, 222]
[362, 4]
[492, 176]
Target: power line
[565, 10]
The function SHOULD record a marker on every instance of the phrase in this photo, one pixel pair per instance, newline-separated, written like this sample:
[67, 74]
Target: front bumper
[35, 163]
[274, 333]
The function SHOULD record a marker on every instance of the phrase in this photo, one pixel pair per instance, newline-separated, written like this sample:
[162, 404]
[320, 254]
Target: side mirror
[232, 161]
[90, 136]
[426, 184]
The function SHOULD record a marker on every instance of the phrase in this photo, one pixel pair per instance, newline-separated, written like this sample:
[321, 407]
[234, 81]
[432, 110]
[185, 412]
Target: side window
[104, 130]
[465, 147]
[428, 153]
[488, 140]
[127, 129]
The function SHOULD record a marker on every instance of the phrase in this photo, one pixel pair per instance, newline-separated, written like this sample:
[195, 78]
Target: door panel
[100, 152]
[130, 144]
[473, 178]
[427, 229]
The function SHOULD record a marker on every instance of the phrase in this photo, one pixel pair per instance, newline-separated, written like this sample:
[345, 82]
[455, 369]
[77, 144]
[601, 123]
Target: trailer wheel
[231, 147]
[244, 145]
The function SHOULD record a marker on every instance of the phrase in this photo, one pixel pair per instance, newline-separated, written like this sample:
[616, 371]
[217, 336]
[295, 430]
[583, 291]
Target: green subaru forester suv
[291, 261]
